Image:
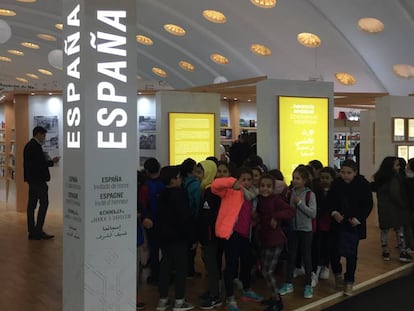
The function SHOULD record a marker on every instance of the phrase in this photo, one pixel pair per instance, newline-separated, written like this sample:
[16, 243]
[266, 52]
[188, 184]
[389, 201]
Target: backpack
[154, 187]
[307, 199]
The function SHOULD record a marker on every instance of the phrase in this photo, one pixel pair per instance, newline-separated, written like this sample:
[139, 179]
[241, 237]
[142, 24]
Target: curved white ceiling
[345, 48]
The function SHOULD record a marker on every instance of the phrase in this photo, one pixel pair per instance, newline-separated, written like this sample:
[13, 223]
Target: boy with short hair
[147, 195]
[173, 231]
[350, 198]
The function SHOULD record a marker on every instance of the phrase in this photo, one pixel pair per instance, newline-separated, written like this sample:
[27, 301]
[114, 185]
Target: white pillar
[99, 174]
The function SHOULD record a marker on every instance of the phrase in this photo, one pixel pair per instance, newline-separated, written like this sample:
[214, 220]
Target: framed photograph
[147, 141]
[147, 124]
[50, 123]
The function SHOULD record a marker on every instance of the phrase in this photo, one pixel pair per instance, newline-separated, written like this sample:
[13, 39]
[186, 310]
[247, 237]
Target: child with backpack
[148, 195]
[303, 200]
[173, 231]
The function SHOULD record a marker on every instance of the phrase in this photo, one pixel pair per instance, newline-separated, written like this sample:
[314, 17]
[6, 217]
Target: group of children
[234, 215]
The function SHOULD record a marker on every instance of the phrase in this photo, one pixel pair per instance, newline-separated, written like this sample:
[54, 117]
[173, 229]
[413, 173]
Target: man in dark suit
[36, 174]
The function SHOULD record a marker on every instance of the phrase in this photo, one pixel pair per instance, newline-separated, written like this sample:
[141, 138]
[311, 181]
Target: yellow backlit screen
[191, 136]
[303, 132]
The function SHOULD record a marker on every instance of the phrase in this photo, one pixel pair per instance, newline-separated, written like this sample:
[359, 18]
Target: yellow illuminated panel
[191, 136]
[303, 132]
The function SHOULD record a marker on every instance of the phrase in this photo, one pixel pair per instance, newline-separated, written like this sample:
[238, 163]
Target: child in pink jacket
[233, 225]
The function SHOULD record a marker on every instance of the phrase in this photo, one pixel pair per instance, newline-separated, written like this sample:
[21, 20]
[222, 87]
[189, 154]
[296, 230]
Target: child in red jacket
[271, 210]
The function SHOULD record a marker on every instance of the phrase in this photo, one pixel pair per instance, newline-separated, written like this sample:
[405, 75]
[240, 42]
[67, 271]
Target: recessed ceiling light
[144, 40]
[345, 78]
[30, 45]
[174, 30]
[264, 4]
[16, 52]
[219, 59]
[214, 16]
[5, 59]
[371, 25]
[309, 40]
[186, 66]
[403, 70]
[4, 12]
[26, 1]
[45, 72]
[46, 37]
[59, 26]
[260, 50]
[33, 76]
[23, 80]
[159, 72]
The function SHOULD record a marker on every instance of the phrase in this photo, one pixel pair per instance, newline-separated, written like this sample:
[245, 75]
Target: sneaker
[314, 279]
[276, 306]
[249, 295]
[324, 273]
[140, 306]
[386, 256]
[348, 289]
[405, 257]
[232, 306]
[298, 272]
[409, 250]
[339, 281]
[163, 304]
[308, 292]
[286, 288]
[210, 303]
[268, 302]
[182, 306]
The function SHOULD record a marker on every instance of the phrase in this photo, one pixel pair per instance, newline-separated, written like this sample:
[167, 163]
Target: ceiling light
[219, 59]
[16, 52]
[345, 78]
[59, 26]
[26, 1]
[186, 66]
[55, 58]
[309, 40]
[403, 70]
[214, 16]
[5, 12]
[5, 31]
[260, 50]
[23, 80]
[159, 72]
[371, 25]
[46, 37]
[174, 30]
[33, 76]
[144, 40]
[5, 59]
[45, 72]
[30, 45]
[265, 4]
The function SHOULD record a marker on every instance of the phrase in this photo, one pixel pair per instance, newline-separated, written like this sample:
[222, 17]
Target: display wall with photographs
[147, 129]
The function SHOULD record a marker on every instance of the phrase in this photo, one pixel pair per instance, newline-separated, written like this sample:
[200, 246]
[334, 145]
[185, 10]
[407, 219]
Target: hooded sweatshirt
[210, 204]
